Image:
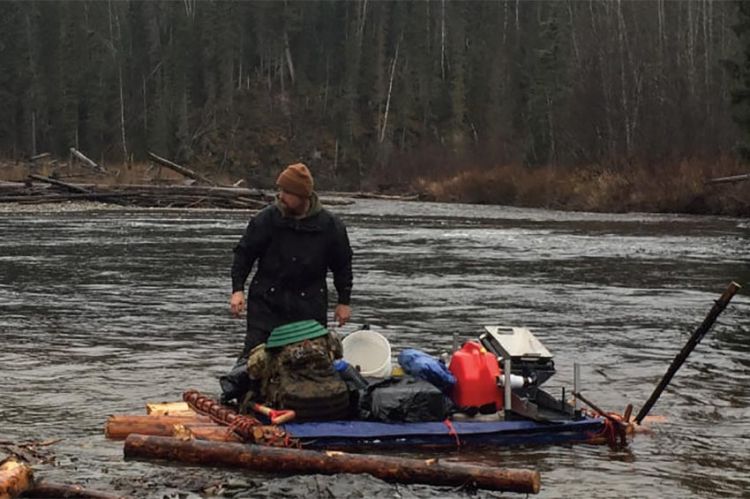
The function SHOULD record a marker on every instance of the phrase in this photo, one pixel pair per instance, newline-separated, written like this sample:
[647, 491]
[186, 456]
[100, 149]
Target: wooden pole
[180, 169]
[15, 478]
[696, 337]
[296, 461]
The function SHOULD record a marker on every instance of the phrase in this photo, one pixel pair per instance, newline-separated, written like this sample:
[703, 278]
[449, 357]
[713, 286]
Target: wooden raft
[172, 431]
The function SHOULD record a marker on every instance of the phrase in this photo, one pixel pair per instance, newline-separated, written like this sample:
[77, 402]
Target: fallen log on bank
[187, 172]
[297, 461]
[178, 196]
[75, 153]
[62, 198]
[728, 180]
[58, 183]
[39, 156]
[16, 477]
[371, 195]
[76, 189]
[50, 190]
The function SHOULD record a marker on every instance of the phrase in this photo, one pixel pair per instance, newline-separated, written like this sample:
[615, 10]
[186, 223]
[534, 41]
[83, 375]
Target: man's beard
[300, 210]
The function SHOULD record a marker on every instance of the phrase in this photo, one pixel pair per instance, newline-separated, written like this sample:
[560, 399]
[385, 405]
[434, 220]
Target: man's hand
[342, 314]
[237, 303]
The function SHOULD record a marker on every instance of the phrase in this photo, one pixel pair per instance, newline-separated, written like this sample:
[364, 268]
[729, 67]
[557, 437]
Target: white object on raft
[516, 381]
[369, 351]
[517, 342]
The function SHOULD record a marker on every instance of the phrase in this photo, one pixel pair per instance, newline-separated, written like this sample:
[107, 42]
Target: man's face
[293, 204]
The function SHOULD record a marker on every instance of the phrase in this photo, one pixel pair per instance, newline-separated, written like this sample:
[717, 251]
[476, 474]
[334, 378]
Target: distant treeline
[369, 89]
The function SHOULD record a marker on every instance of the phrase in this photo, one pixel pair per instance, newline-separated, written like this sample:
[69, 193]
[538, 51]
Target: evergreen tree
[741, 73]
[349, 83]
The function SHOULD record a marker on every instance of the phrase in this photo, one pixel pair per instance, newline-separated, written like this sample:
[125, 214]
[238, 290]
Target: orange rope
[614, 434]
[452, 431]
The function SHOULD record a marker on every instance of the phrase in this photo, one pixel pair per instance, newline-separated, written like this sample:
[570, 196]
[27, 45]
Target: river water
[101, 311]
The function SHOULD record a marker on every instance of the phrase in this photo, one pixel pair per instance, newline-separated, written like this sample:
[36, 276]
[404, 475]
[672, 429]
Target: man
[295, 242]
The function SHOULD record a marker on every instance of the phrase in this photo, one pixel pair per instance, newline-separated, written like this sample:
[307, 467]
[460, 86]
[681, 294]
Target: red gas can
[476, 373]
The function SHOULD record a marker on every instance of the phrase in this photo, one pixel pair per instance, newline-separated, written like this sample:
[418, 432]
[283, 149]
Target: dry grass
[675, 188]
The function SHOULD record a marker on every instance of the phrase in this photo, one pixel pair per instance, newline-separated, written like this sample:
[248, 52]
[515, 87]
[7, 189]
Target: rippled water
[101, 311]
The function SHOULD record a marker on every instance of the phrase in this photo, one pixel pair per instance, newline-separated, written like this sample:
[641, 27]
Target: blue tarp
[369, 429]
[426, 367]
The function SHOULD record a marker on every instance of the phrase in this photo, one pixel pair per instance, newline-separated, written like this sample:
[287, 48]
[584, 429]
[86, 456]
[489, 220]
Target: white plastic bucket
[369, 351]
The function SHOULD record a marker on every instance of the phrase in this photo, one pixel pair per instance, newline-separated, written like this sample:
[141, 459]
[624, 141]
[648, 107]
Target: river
[103, 310]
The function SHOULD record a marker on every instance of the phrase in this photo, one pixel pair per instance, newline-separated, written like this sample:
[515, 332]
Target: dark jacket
[294, 256]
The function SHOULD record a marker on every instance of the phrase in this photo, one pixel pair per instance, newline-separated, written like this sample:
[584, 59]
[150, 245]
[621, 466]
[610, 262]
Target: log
[187, 172]
[169, 409]
[74, 188]
[184, 189]
[370, 195]
[34, 198]
[15, 477]
[296, 461]
[119, 427]
[725, 180]
[230, 192]
[86, 160]
[125, 196]
[201, 431]
[58, 183]
[40, 156]
[61, 490]
[255, 203]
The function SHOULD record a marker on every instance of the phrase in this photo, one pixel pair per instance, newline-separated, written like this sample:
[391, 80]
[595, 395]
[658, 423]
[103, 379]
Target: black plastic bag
[235, 384]
[403, 400]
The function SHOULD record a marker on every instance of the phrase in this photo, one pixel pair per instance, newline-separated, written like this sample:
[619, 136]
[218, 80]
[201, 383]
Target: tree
[740, 70]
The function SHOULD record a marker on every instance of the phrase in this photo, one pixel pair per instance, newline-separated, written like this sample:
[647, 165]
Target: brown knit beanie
[296, 179]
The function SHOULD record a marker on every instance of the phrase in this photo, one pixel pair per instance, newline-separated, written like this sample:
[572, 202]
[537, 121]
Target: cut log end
[169, 409]
[16, 477]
